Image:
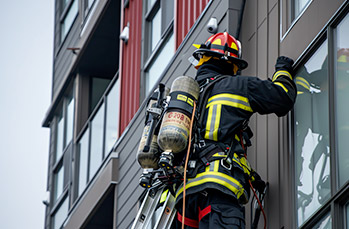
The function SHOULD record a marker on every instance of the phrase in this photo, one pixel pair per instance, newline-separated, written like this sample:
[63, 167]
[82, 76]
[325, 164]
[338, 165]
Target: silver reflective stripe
[211, 176]
[213, 122]
[223, 99]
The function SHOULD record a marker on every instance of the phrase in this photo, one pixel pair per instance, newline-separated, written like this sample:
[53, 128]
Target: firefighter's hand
[284, 63]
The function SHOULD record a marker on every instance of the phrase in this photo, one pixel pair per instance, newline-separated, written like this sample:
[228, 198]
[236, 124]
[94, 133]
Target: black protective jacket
[231, 102]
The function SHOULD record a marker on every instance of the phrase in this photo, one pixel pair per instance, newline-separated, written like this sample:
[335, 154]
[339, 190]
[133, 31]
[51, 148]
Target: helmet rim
[242, 64]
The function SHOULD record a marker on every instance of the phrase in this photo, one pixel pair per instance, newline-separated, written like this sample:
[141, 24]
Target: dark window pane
[324, 223]
[98, 87]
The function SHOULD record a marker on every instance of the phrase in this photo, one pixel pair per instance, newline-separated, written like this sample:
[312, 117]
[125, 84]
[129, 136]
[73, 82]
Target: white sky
[26, 46]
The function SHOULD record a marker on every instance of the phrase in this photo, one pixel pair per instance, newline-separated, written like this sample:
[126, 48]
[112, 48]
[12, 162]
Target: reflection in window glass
[69, 19]
[112, 120]
[325, 223]
[60, 215]
[59, 178]
[312, 152]
[155, 30]
[158, 66]
[70, 120]
[342, 92]
[299, 6]
[96, 152]
[59, 138]
[83, 161]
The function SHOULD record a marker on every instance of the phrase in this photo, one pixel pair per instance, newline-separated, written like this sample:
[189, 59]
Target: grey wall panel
[249, 21]
[308, 26]
[273, 40]
[262, 11]
[273, 171]
[272, 4]
[64, 57]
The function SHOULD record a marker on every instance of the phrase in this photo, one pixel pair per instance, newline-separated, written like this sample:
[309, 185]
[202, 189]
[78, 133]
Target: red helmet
[223, 46]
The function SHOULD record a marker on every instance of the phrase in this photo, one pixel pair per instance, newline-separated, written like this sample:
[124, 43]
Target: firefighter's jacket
[230, 103]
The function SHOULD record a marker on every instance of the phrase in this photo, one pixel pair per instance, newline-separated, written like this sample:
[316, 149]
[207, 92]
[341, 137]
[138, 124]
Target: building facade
[109, 55]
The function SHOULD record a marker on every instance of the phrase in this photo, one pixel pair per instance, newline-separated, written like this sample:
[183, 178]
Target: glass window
[150, 3]
[69, 19]
[96, 151]
[61, 214]
[59, 183]
[98, 87]
[324, 223]
[342, 95]
[70, 120]
[299, 6]
[59, 137]
[112, 119]
[87, 5]
[155, 30]
[347, 216]
[159, 64]
[312, 152]
[83, 161]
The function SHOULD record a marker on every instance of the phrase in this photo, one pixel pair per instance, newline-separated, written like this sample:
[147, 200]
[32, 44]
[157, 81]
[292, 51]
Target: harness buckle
[226, 164]
[202, 143]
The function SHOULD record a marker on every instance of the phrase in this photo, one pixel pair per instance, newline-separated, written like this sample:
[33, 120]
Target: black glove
[284, 63]
[258, 183]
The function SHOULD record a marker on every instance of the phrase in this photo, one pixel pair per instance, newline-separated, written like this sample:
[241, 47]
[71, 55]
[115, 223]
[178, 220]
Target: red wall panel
[187, 12]
[131, 63]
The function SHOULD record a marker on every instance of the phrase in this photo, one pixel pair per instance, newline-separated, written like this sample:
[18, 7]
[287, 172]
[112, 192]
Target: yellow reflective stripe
[213, 120]
[215, 177]
[217, 121]
[208, 123]
[216, 165]
[307, 85]
[302, 82]
[281, 85]
[243, 163]
[230, 100]
[219, 154]
[163, 196]
[281, 73]
[300, 92]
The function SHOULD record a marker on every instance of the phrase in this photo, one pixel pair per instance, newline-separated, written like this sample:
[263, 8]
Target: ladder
[150, 216]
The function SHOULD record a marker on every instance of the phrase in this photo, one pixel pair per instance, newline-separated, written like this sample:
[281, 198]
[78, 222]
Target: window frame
[149, 56]
[64, 11]
[88, 127]
[287, 19]
[63, 162]
[339, 195]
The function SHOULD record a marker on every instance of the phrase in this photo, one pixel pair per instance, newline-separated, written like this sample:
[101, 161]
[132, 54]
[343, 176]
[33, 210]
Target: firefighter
[219, 175]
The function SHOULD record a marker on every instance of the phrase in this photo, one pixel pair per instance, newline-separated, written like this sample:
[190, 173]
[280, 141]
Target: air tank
[174, 130]
[148, 159]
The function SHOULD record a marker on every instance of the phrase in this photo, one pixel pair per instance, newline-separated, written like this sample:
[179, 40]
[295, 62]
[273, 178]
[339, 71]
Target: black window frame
[336, 204]
[167, 29]
[64, 11]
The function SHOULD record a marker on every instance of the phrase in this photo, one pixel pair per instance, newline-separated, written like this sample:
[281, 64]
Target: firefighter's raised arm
[276, 96]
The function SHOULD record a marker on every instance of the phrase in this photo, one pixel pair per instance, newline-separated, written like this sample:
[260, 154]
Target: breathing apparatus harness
[205, 149]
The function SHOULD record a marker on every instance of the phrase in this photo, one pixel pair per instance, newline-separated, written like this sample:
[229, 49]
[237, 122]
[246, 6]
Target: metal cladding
[175, 126]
